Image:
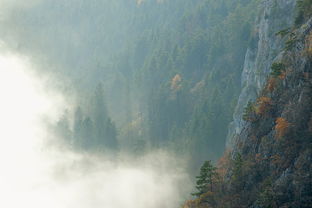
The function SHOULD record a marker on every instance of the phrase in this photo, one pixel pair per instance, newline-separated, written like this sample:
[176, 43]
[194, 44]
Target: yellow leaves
[176, 85]
[176, 82]
[281, 127]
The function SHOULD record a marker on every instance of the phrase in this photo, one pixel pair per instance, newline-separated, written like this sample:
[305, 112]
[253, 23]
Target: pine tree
[237, 177]
[105, 132]
[205, 179]
[77, 133]
[87, 133]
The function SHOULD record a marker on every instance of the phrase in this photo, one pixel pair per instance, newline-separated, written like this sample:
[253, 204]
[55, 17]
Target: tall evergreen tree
[77, 134]
[87, 133]
[237, 172]
[104, 128]
[205, 179]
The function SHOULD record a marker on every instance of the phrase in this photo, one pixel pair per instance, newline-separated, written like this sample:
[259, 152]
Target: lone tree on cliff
[205, 179]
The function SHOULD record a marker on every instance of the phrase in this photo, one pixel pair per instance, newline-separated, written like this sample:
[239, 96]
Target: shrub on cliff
[264, 105]
[277, 69]
[281, 127]
[267, 196]
[249, 112]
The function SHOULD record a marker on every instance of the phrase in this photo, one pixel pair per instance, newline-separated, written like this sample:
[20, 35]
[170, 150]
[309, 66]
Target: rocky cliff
[275, 142]
[271, 158]
[263, 50]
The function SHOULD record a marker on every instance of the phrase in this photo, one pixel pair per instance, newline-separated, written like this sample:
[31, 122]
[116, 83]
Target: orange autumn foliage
[273, 81]
[281, 127]
[309, 45]
[223, 163]
[176, 82]
[282, 76]
[264, 105]
[271, 84]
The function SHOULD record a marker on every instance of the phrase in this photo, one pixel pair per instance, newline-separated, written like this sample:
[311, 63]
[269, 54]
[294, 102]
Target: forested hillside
[269, 164]
[141, 75]
[202, 80]
[189, 76]
[175, 80]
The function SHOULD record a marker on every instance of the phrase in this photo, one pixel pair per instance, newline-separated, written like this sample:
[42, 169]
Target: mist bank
[38, 170]
[138, 76]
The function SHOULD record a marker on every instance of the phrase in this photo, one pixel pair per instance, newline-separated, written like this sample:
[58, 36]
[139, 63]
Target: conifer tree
[237, 177]
[105, 132]
[205, 179]
[77, 132]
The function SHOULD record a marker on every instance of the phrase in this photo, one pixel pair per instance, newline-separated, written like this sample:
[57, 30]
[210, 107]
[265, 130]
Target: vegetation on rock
[269, 166]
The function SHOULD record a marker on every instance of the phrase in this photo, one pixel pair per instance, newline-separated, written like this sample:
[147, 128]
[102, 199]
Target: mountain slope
[274, 16]
[271, 158]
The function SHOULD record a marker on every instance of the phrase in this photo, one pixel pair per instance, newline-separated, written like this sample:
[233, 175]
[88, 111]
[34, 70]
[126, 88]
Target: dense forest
[269, 164]
[172, 84]
[224, 85]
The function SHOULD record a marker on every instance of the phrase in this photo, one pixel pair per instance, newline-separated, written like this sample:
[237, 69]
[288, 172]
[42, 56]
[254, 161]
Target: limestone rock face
[283, 154]
[264, 49]
[273, 151]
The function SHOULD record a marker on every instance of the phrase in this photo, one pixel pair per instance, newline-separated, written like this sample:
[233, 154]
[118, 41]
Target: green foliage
[94, 130]
[104, 129]
[277, 69]
[237, 171]
[283, 32]
[238, 164]
[262, 172]
[290, 43]
[267, 198]
[249, 112]
[205, 44]
[205, 179]
[304, 11]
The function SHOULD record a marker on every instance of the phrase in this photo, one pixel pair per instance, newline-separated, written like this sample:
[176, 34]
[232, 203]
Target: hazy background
[50, 50]
[120, 101]
[37, 170]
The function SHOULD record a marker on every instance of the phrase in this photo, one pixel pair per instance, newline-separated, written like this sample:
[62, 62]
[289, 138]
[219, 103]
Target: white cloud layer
[36, 175]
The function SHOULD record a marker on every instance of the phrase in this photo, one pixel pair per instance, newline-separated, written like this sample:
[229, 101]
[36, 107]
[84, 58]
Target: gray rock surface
[274, 16]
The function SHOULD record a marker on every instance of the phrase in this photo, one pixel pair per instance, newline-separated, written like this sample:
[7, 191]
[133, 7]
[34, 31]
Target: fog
[88, 117]
[38, 171]
[50, 54]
